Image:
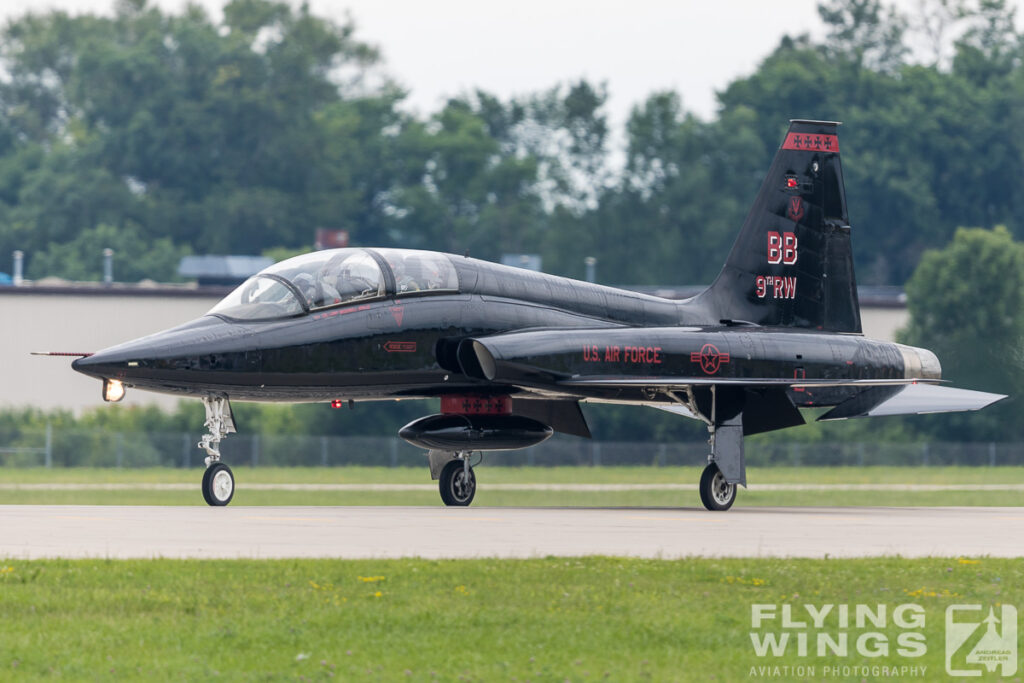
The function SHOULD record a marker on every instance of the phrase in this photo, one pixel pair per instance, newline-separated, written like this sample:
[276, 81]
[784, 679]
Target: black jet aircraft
[511, 353]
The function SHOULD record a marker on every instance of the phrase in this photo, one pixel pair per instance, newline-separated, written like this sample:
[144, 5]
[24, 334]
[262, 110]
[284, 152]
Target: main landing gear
[455, 477]
[726, 468]
[218, 481]
[715, 492]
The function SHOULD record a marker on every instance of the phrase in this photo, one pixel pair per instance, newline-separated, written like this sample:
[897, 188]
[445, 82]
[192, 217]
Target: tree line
[161, 134]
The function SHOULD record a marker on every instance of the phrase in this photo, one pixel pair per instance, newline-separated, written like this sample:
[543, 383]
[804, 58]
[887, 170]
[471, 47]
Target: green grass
[506, 475]
[547, 619]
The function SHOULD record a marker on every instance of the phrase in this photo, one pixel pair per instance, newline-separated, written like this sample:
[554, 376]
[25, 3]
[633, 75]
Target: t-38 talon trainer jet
[512, 353]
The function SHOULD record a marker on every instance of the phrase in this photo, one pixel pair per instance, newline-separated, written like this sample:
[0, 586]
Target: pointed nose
[88, 365]
[193, 346]
[110, 364]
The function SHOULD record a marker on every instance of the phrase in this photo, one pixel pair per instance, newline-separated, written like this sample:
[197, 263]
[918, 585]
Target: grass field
[542, 620]
[504, 475]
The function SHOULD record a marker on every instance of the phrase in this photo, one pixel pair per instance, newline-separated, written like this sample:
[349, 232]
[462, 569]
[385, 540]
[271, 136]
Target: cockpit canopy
[336, 276]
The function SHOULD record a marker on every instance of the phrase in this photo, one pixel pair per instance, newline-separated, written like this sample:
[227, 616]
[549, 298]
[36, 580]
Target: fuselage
[401, 340]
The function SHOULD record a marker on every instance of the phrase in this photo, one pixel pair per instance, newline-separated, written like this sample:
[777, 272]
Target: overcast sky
[439, 48]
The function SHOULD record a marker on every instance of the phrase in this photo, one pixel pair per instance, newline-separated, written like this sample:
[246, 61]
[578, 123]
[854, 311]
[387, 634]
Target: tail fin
[792, 264]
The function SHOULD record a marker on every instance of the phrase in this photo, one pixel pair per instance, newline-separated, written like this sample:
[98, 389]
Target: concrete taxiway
[37, 531]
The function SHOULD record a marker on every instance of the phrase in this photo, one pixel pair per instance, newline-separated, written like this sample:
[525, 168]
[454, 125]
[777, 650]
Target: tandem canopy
[334, 277]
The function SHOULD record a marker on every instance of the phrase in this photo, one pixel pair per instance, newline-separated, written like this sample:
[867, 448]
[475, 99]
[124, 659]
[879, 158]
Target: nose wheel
[218, 481]
[218, 484]
[457, 483]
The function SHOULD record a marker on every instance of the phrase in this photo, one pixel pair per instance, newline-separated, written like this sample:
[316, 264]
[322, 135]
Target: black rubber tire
[452, 484]
[710, 480]
[208, 485]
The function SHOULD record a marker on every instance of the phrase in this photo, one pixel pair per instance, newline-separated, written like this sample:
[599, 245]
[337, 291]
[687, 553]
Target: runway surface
[36, 531]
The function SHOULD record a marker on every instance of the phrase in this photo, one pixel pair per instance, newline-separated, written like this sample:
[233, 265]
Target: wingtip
[999, 397]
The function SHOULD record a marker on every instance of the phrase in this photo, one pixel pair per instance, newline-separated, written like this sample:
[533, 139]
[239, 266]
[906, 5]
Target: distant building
[222, 271]
[527, 261]
[330, 239]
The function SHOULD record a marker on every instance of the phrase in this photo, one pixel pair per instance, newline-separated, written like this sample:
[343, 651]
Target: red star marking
[709, 358]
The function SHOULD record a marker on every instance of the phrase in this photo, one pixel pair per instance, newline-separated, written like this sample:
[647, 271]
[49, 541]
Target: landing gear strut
[218, 481]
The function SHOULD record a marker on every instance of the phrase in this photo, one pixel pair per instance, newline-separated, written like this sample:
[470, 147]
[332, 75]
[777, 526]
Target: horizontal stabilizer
[910, 399]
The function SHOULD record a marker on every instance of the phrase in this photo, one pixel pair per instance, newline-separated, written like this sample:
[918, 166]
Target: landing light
[336, 403]
[113, 390]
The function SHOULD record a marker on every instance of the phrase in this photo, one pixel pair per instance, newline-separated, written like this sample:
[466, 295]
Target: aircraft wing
[910, 399]
[680, 382]
[581, 363]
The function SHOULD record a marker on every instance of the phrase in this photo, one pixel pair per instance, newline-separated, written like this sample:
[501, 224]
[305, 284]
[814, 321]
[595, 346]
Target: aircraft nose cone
[173, 349]
[112, 363]
[94, 365]
[118, 362]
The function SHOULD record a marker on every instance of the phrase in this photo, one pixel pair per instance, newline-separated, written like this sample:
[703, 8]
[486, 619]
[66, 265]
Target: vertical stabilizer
[792, 264]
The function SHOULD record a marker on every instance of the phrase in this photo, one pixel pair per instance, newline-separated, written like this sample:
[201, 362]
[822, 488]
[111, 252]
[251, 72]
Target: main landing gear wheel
[218, 484]
[456, 487]
[715, 493]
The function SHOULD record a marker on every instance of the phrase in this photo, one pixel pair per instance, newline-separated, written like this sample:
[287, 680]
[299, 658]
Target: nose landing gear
[218, 480]
[218, 484]
[458, 482]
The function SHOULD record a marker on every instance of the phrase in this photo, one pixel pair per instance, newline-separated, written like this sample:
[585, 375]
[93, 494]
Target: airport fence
[101, 448]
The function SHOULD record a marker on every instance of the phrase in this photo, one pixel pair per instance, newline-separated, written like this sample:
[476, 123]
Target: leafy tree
[683, 195]
[496, 176]
[966, 304]
[865, 32]
[201, 133]
[248, 133]
[135, 258]
[990, 46]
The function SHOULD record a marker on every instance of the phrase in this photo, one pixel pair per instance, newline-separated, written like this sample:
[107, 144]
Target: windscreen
[322, 278]
[259, 298]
